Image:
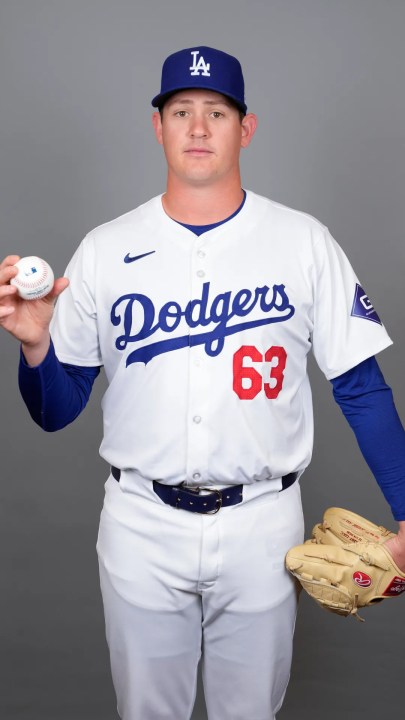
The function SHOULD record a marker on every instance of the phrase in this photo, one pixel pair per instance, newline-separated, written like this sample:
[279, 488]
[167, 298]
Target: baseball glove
[341, 527]
[345, 566]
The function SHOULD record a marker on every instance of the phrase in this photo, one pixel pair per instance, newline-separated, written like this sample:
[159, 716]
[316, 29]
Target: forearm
[55, 393]
[366, 401]
[381, 439]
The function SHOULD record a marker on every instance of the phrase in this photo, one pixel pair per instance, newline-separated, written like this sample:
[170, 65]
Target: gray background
[326, 79]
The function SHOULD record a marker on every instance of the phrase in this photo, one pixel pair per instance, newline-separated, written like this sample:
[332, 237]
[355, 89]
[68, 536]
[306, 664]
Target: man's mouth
[197, 151]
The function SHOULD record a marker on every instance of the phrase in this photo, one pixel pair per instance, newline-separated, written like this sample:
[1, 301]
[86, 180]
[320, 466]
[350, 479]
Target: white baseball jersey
[204, 340]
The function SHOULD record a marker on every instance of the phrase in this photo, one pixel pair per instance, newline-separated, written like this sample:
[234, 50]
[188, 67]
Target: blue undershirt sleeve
[368, 405]
[55, 393]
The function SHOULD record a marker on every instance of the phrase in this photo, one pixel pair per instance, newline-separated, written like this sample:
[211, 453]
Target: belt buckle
[219, 500]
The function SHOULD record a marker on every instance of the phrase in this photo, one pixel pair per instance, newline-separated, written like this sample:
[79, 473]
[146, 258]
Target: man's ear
[249, 125]
[157, 126]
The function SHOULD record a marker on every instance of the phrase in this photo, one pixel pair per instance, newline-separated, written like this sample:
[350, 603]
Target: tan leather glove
[345, 565]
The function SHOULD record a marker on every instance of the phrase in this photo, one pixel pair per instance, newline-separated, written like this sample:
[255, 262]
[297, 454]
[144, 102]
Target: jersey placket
[198, 406]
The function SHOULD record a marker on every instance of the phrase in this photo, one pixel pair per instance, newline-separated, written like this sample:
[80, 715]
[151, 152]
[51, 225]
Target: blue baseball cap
[205, 68]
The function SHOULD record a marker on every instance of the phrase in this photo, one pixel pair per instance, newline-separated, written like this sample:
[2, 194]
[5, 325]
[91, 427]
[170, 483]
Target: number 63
[248, 382]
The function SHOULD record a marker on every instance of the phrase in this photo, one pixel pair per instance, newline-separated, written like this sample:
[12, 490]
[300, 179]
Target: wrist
[35, 352]
[401, 528]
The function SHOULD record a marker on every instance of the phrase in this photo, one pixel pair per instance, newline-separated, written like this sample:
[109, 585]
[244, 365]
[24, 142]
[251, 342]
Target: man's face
[202, 135]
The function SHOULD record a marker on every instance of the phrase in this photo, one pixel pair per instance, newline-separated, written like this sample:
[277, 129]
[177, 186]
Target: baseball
[35, 278]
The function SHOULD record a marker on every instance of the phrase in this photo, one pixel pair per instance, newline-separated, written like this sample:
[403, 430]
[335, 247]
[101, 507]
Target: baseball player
[202, 306]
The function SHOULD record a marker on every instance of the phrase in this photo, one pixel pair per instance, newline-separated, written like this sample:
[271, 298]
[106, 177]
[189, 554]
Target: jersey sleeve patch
[362, 307]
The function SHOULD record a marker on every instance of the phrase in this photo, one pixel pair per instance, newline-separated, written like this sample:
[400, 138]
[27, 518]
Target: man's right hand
[27, 320]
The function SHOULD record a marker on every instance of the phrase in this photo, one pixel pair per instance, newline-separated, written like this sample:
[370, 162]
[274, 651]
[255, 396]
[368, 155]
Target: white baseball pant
[177, 586]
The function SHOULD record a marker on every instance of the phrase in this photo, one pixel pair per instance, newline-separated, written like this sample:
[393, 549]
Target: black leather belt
[209, 502]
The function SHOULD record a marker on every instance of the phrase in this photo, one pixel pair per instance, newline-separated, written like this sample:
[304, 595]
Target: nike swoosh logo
[129, 259]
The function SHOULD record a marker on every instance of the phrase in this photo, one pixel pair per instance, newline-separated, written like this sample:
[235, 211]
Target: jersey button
[196, 476]
[197, 419]
[201, 273]
[201, 254]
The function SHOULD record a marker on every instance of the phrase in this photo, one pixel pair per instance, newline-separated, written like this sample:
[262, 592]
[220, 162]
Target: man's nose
[199, 127]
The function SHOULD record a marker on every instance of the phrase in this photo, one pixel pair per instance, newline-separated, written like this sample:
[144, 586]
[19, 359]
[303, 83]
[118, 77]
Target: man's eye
[217, 114]
[180, 113]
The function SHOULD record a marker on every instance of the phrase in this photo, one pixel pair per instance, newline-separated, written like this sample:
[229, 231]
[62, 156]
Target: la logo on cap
[204, 68]
[200, 67]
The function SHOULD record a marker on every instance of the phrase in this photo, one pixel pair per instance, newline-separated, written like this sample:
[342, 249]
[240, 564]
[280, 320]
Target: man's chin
[201, 179]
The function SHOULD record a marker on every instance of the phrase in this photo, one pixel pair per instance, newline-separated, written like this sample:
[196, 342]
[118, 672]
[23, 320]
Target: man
[202, 306]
